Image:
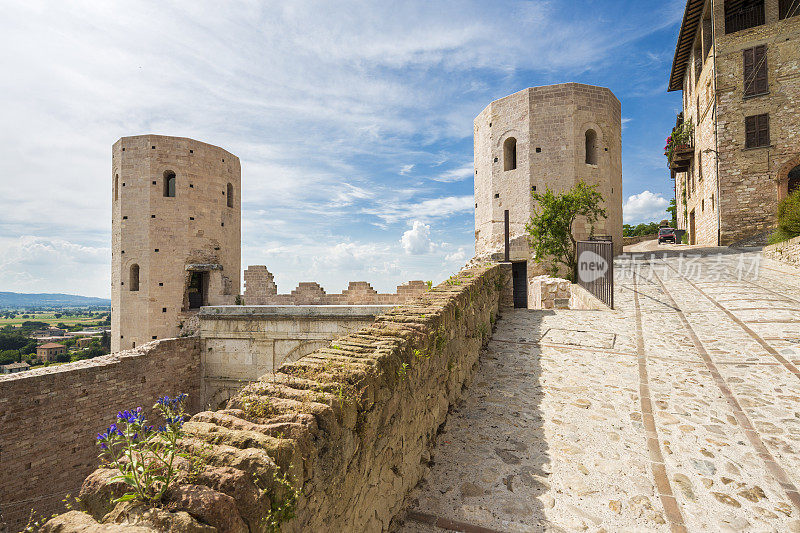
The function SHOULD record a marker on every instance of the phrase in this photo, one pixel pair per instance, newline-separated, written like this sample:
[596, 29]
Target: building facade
[737, 63]
[49, 351]
[176, 233]
[539, 138]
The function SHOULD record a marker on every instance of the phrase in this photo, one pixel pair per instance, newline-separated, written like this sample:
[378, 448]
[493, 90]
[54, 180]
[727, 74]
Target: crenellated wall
[49, 418]
[352, 424]
[260, 289]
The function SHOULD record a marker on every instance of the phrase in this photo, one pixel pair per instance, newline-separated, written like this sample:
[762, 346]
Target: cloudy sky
[352, 120]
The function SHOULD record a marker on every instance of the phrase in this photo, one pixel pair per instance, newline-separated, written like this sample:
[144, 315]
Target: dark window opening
[788, 8]
[755, 71]
[133, 278]
[230, 195]
[519, 276]
[497, 195]
[163, 309]
[794, 179]
[756, 131]
[591, 147]
[116, 187]
[538, 150]
[169, 184]
[510, 154]
[197, 290]
[743, 14]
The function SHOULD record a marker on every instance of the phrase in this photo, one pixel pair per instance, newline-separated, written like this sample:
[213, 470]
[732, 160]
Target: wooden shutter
[750, 132]
[756, 131]
[755, 71]
[763, 130]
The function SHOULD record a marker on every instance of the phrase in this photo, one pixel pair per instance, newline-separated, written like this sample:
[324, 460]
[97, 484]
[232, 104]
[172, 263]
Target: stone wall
[352, 424]
[50, 416]
[785, 252]
[546, 292]
[628, 241]
[170, 238]
[242, 343]
[260, 289]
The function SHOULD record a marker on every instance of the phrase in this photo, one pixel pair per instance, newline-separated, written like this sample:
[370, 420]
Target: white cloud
[417, 240]
[457, 174]
[644, 207]
[459, 256]
[405, 169]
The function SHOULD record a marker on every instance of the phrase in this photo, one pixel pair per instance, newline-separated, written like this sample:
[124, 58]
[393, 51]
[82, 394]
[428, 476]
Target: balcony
[682, 156]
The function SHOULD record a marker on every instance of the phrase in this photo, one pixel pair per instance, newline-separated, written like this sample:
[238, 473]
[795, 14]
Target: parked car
[666, 235]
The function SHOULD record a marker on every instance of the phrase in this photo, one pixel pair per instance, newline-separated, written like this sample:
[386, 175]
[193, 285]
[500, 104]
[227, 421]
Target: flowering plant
[681, 136]
[143, 455]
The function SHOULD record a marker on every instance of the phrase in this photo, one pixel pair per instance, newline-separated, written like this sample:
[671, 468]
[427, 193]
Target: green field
[49, 318]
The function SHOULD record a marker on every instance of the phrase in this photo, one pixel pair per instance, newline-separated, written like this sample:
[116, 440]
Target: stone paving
[678, 411]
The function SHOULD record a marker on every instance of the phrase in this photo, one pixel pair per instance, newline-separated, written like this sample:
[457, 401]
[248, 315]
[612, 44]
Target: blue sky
[352, 120]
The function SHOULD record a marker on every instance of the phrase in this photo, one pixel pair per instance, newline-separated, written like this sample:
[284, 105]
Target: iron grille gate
[595, 269]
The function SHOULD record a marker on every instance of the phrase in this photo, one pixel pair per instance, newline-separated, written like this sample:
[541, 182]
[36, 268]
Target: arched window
[169, 184]
[510, 154]
[133, 279]
[230, 195]
[116, 187]
[591, 147]
[794, 179]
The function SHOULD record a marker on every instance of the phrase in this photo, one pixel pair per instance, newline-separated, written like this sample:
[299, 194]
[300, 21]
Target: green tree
[788, 218]
[673, 211]
[550, 228]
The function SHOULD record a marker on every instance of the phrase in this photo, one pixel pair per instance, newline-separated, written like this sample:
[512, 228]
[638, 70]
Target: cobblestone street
[679, 411]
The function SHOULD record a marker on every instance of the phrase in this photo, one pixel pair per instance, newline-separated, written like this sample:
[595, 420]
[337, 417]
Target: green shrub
[788, 219]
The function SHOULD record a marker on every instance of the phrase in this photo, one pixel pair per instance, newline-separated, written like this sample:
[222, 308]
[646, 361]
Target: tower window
[116, 187]
[591, 147]
[169, 184]
[133, 279]
[510, 154]
[230, 195]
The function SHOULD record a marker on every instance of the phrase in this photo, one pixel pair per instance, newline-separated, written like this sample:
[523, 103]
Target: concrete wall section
[242, 343]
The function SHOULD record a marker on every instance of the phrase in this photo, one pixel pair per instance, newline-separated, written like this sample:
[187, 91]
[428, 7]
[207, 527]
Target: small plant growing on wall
[550, 228]
[144, 455]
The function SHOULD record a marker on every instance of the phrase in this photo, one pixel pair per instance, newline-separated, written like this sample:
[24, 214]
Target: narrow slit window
[510, 154]
[591, 147]
[133, 279]
[230, 195]
[169, 184]
[116, 187]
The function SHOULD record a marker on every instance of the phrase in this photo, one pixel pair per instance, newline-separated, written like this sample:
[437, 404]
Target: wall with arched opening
[788, 177]
[169, 184]
[133, 278]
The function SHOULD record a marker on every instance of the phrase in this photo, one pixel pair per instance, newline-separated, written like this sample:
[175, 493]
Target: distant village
[35, 337]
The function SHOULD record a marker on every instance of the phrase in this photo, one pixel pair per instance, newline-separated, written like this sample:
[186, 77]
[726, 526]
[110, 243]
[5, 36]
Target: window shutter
[749, 63]
[763, 130]
[760, 60]
[750, 132]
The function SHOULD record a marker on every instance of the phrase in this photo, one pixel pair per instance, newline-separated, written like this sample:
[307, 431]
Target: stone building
[738, 65]
[544, 137]
[176, 231]
[49, 351]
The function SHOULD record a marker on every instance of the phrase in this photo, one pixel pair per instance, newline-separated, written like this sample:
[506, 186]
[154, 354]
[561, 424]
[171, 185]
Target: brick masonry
[50, 416]
[744, 189]
[260, 289]
[353, 424]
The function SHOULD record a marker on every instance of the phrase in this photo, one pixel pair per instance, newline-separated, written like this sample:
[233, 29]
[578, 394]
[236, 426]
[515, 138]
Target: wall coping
[222, 312]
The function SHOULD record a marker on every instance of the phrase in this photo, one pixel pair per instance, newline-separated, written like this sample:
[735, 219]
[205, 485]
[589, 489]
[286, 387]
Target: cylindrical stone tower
[545, 137]
[176, 234]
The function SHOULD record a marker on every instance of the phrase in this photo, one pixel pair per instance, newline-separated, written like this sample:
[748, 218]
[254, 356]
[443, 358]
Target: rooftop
[691, 19]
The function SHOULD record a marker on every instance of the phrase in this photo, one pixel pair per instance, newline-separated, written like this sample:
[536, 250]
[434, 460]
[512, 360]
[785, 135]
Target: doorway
[519, 273]
[198, 289]
[692, 240]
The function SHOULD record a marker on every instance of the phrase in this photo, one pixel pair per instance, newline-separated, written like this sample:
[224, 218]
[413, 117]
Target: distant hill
[17, 299]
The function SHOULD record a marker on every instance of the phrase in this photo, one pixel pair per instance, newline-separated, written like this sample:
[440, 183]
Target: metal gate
[595, 269]
[519, 272]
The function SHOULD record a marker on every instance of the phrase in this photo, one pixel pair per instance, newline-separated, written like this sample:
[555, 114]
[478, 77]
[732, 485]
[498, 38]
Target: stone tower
[545, 137]
[176, 234]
